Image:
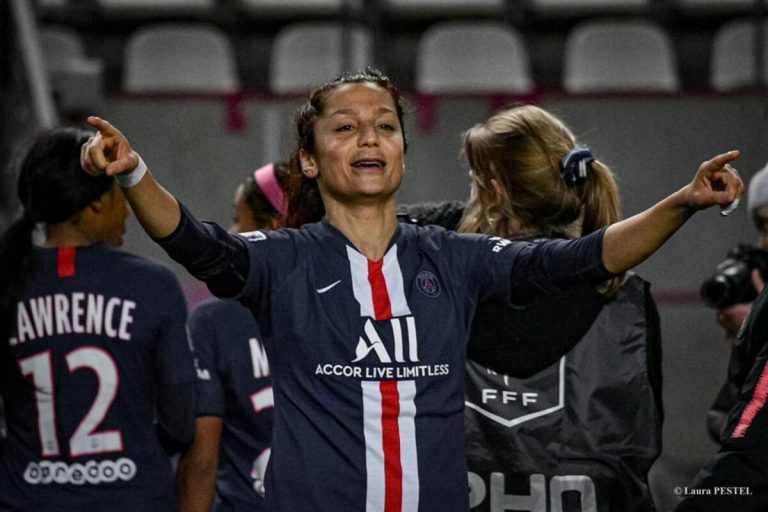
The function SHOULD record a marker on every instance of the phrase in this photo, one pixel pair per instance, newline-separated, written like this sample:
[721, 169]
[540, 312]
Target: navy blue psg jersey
[99, 332]
[368, 360]
[233, 382]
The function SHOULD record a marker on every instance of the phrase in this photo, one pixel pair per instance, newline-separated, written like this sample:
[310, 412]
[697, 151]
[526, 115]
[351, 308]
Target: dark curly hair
[51, 188]
[302, 193]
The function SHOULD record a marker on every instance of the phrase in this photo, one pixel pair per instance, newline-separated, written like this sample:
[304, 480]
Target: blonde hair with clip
[517, 187]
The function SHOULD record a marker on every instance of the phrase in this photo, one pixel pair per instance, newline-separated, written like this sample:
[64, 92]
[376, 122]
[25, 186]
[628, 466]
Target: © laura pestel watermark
[728, 490]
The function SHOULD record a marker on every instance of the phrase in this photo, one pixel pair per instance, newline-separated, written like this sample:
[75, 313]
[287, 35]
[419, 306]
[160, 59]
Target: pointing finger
[105, 128]
[720, 161]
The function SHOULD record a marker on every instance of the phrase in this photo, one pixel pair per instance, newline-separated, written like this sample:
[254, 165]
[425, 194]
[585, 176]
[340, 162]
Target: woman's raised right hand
[108, 152]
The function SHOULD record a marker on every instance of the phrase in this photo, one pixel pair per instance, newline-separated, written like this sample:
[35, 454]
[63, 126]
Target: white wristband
[132, 178]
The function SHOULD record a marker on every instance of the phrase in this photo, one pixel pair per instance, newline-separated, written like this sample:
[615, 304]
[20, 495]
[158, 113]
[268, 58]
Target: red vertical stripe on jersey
[390, 429]
[66, 262]
[382, 308]
[753, 407]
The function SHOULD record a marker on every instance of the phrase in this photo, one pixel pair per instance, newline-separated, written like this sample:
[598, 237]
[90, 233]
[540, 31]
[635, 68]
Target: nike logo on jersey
[323, 290]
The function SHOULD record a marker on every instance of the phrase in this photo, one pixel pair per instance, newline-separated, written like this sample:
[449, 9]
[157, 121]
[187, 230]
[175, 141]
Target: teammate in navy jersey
[533, 434]
[234, 388]
[97, 375]
[366, 319]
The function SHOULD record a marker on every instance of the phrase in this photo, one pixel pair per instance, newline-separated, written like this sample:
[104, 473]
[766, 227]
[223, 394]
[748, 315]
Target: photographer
[731, 317]
[736, 478]
[731, 290]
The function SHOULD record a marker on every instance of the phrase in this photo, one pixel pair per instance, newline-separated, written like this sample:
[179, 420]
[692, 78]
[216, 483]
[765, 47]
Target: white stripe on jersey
[379, 456]
[395, 287]
[408, 454]
[393, 276]
[358, 265]
[374, 447]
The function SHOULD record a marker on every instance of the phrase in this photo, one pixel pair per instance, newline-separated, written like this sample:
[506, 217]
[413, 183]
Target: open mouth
[372, 163]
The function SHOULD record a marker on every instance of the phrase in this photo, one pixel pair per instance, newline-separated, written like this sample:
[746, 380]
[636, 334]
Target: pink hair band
[266, 178]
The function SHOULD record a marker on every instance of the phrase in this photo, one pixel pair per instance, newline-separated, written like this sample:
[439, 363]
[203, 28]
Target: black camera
[732, 281]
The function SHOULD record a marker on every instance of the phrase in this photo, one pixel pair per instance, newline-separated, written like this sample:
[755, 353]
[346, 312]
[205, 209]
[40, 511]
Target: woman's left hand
[716, 183]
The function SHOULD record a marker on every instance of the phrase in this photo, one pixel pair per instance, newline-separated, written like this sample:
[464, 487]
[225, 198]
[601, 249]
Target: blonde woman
[589, 421]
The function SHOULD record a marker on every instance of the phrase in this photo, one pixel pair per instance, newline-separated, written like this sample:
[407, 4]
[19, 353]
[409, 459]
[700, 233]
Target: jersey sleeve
[210, 388]
[272, 255]
[209, 253]
[518, 271]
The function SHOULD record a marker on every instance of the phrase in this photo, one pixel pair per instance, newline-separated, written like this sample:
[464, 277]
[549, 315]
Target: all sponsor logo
[371, 343]
[373, 359]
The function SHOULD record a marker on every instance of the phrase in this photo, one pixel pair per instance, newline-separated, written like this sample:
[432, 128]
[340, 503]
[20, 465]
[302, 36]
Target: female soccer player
[368, 319]
[234, 388]
[97, 374]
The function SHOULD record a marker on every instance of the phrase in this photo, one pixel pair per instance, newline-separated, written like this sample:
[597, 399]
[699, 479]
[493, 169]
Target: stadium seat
[305, 55]
[579, 7]
[53, 4]
[715, 6]
[61, 44]
[133, 8]
[443, 7]
[733, 64]
[180, 58]
[77, 80]
[268, 8]
[619, 56]
[472, 57]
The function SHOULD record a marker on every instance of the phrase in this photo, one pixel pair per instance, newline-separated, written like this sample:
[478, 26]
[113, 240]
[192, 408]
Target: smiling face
[359, 146]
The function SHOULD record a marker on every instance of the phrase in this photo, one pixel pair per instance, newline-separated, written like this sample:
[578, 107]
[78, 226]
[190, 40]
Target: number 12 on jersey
[85, 440]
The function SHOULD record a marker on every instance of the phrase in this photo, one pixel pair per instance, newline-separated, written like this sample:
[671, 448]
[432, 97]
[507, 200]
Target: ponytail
[530, 178]
[15, 264]
[601, 199]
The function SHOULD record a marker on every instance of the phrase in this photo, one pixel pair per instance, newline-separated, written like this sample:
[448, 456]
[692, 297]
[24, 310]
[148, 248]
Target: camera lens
[714, 292]
[730, 285]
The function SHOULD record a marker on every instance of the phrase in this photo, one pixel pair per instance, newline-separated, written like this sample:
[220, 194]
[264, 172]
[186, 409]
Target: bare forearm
[198, 467]
[155, 208]
[629, 242]
[194, 488]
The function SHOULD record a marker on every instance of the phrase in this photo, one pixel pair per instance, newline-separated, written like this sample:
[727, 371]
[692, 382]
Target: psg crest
[428, 284]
